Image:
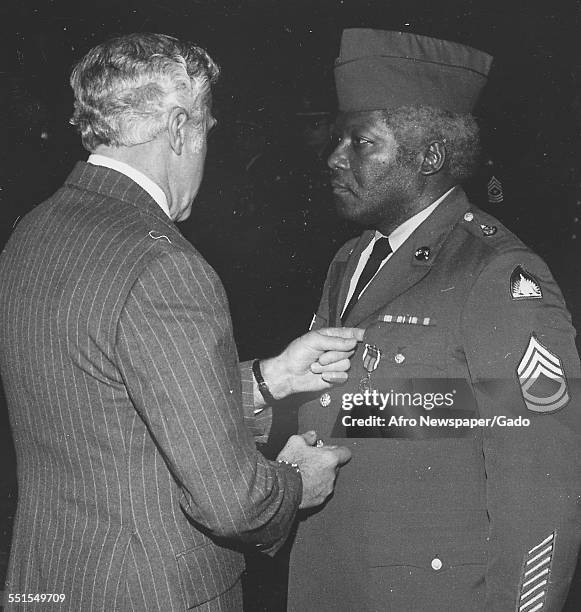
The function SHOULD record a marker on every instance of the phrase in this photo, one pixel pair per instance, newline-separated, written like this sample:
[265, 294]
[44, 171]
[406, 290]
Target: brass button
[399, 358]
[325, 400]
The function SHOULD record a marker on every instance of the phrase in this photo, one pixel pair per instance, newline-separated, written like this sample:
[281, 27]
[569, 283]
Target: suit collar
[113, 184]
[152, 188]
[410, 263]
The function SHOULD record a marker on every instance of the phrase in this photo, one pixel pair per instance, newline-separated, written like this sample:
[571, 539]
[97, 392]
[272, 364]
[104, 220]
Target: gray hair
[125, 87]
[415, 127]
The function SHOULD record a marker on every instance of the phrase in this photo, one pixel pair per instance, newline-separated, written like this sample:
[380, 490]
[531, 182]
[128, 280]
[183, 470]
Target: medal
[371, 358]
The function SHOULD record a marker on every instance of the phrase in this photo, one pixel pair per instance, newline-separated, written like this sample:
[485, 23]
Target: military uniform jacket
[477, 509]
[137, 478]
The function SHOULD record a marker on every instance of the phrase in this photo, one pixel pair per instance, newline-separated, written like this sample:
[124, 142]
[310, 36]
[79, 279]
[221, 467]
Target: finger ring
[319, 443]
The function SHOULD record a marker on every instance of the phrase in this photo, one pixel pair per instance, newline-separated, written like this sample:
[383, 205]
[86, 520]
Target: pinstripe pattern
[127, 407]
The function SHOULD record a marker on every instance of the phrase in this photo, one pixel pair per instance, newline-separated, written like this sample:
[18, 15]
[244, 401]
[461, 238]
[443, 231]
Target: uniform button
[436, 564]
[399, 358]
[468, 216]
[325, 400]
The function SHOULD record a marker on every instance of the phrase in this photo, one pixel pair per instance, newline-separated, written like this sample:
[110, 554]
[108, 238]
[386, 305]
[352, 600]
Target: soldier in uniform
[462, 408]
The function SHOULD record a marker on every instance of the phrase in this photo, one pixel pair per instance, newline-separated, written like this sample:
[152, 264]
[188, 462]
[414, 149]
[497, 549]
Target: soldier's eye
[361, 141]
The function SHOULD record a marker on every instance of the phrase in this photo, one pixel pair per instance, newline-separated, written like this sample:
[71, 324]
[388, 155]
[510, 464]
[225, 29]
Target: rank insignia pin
[524, 286]
[371, 358]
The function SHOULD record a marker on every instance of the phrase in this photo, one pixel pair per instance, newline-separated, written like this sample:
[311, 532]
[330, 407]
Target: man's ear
[176, 130]
[434, 158]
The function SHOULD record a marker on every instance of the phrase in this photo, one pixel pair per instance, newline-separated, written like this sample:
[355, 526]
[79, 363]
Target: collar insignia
[488, 230]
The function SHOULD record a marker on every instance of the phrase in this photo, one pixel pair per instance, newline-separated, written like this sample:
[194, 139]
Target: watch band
[262, 386]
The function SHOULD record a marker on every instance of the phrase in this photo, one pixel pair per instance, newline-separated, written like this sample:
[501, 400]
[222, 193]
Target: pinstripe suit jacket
[137, 476]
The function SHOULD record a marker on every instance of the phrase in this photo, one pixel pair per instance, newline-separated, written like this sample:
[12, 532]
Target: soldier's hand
[312, 362]
[318, 466]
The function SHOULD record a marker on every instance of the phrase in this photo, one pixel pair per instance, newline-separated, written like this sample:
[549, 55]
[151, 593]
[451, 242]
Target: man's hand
[318, 466]
[312, 362]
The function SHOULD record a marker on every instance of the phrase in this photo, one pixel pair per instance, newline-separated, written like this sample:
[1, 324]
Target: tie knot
[381, 249]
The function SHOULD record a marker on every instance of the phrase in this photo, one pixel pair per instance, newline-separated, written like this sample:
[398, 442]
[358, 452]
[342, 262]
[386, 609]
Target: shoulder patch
[524, 286]
[542, 379]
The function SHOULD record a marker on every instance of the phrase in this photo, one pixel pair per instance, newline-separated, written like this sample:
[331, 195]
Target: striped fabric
[136, 472]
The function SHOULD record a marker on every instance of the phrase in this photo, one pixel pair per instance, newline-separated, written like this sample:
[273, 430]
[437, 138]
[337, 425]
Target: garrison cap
[379, 69]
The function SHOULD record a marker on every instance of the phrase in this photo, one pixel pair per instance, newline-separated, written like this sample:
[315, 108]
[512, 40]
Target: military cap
[380, 69]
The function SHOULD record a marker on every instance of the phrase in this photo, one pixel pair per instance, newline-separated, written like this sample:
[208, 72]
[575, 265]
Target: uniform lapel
[340, 277]
[407, 267]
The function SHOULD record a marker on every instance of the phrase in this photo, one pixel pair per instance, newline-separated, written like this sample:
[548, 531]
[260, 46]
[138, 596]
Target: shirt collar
[154, 190]
[405, 230]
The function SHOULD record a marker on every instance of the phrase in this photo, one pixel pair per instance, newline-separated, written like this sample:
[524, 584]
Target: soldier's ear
[434, 158]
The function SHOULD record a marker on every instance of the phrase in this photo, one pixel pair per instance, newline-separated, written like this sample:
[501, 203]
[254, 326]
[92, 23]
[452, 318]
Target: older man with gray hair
[139, 479]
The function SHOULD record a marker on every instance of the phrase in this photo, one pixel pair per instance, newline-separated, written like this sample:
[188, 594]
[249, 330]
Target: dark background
[274, 55]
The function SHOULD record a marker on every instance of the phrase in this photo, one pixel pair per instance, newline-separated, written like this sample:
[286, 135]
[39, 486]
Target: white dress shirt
[399, 235]
[154, 190]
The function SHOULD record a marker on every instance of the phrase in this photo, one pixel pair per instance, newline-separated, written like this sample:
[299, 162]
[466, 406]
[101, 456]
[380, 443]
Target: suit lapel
[404, 269]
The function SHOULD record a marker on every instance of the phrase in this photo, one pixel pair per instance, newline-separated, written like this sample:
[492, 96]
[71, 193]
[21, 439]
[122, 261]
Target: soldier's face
[371, 185]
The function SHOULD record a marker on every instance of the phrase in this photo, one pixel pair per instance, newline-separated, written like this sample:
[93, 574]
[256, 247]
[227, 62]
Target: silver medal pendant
[365, 384]
[371, 358]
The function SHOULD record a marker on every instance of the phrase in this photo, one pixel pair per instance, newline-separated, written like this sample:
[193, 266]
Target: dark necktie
[381, 249]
